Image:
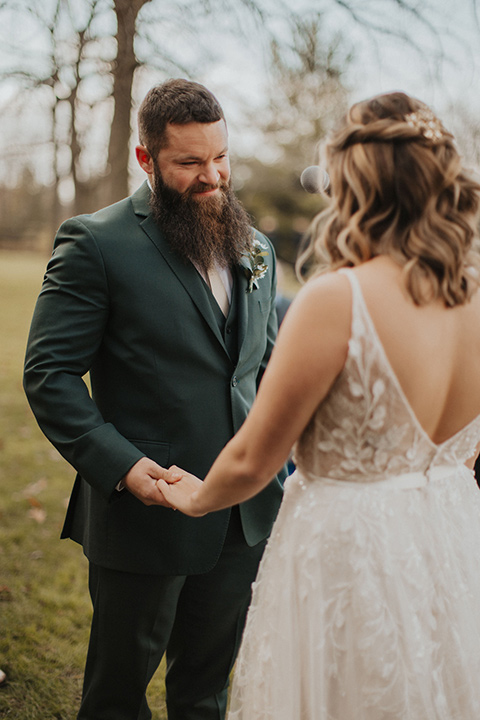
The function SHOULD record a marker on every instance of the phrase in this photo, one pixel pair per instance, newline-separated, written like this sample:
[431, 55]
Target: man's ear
[144, 159]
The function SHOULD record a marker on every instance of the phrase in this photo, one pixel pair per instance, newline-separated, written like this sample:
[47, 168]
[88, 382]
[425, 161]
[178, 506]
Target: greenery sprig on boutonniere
[254, 264]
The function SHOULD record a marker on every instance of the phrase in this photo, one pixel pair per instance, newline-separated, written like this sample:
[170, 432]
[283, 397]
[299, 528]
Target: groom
[167, 299]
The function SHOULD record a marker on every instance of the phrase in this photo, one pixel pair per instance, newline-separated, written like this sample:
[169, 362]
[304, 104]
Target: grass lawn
[44, 604]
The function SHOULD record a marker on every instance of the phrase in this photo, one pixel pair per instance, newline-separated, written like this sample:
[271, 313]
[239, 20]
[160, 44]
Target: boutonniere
[254, 264]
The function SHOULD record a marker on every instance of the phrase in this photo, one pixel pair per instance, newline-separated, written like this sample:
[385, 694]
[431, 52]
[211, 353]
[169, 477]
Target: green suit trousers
[197, 620]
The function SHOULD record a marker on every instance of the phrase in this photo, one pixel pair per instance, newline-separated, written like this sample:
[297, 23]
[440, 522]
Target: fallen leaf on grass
[38, 514]
[34, 502]
[36, 555]
[5, 593]
[35, 488]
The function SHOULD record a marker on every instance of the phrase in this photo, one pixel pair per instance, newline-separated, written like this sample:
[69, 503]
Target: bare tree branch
[81, 49]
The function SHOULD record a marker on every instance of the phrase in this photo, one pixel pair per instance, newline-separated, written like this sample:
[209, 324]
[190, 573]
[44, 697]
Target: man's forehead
[196, 136]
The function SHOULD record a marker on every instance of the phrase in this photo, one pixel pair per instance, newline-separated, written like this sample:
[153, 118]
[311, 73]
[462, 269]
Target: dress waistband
[404, 481]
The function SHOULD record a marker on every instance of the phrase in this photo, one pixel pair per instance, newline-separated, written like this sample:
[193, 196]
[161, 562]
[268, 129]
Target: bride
[367, 601]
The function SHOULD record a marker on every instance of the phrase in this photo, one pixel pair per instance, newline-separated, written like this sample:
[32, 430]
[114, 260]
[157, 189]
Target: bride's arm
[309, 354]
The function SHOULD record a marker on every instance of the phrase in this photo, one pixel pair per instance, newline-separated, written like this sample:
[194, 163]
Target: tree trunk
[123, 71]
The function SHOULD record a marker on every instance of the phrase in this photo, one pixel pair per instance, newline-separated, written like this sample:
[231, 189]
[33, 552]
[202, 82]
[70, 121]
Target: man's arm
[65, 335]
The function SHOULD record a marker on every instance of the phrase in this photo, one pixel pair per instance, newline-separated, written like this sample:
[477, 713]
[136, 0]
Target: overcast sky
[402, 66]
[381, 61]
[440, 67]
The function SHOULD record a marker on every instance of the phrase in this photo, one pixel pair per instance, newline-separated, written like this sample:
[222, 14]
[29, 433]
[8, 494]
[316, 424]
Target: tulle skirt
[366, 606]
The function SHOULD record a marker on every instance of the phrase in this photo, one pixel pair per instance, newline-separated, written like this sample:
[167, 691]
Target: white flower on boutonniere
[254, 264]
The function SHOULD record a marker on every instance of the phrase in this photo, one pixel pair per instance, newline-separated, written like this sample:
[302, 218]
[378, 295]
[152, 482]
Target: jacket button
[234, 381]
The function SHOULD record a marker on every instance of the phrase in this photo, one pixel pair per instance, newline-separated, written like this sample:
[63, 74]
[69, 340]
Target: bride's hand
[180, 489]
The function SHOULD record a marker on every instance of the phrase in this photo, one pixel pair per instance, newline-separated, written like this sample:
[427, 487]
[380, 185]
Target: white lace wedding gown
[367, 602]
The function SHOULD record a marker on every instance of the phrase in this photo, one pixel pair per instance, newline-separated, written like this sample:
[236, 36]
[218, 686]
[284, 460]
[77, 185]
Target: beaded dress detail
[367, 601]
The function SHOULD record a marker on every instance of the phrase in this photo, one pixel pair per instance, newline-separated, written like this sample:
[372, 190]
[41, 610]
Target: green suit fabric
[166, 383]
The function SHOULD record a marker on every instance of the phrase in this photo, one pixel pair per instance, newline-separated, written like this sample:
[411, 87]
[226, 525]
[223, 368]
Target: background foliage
[72, 73]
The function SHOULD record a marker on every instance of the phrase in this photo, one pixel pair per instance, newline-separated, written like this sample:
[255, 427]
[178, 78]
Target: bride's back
[434, 350]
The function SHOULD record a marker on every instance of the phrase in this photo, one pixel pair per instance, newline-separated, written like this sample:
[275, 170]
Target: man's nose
[209, 175]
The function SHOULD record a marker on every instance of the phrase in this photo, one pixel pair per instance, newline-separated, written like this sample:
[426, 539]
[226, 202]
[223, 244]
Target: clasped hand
[155, 485]
[180, 490]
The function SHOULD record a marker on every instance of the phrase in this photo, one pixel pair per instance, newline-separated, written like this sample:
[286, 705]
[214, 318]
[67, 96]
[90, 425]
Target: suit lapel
[185, 272]
[242, 305]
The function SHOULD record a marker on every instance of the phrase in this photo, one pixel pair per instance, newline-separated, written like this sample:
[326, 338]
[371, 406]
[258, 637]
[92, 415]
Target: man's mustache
[205, 187]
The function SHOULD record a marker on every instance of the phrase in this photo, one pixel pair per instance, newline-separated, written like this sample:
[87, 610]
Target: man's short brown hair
[175, 101]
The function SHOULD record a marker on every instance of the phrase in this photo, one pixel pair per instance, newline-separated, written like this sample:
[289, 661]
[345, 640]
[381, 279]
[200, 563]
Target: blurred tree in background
[70, 79]
[307, 96]
[69, 88]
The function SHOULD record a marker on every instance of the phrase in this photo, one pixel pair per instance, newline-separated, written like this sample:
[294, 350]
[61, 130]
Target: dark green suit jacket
[117, 303]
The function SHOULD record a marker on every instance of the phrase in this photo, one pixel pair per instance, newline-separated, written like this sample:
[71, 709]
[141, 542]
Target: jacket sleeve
[66, 332]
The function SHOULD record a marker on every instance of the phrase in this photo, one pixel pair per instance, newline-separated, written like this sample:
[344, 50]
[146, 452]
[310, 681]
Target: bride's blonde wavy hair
[398, 188]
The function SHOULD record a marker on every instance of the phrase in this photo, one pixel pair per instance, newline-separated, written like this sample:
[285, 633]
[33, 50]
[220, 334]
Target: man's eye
[189, 162]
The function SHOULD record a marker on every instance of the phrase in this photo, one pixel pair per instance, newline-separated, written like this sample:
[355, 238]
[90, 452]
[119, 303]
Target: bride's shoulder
[333, 287]
[323, 301]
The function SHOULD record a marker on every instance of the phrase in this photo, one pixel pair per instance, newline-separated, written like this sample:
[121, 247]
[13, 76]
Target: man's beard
[211, 230]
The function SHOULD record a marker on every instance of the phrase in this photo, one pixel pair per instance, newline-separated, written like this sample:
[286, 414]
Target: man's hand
[141, 481]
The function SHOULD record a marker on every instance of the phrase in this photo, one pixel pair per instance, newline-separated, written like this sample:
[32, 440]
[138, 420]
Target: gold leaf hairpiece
[426, 123]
